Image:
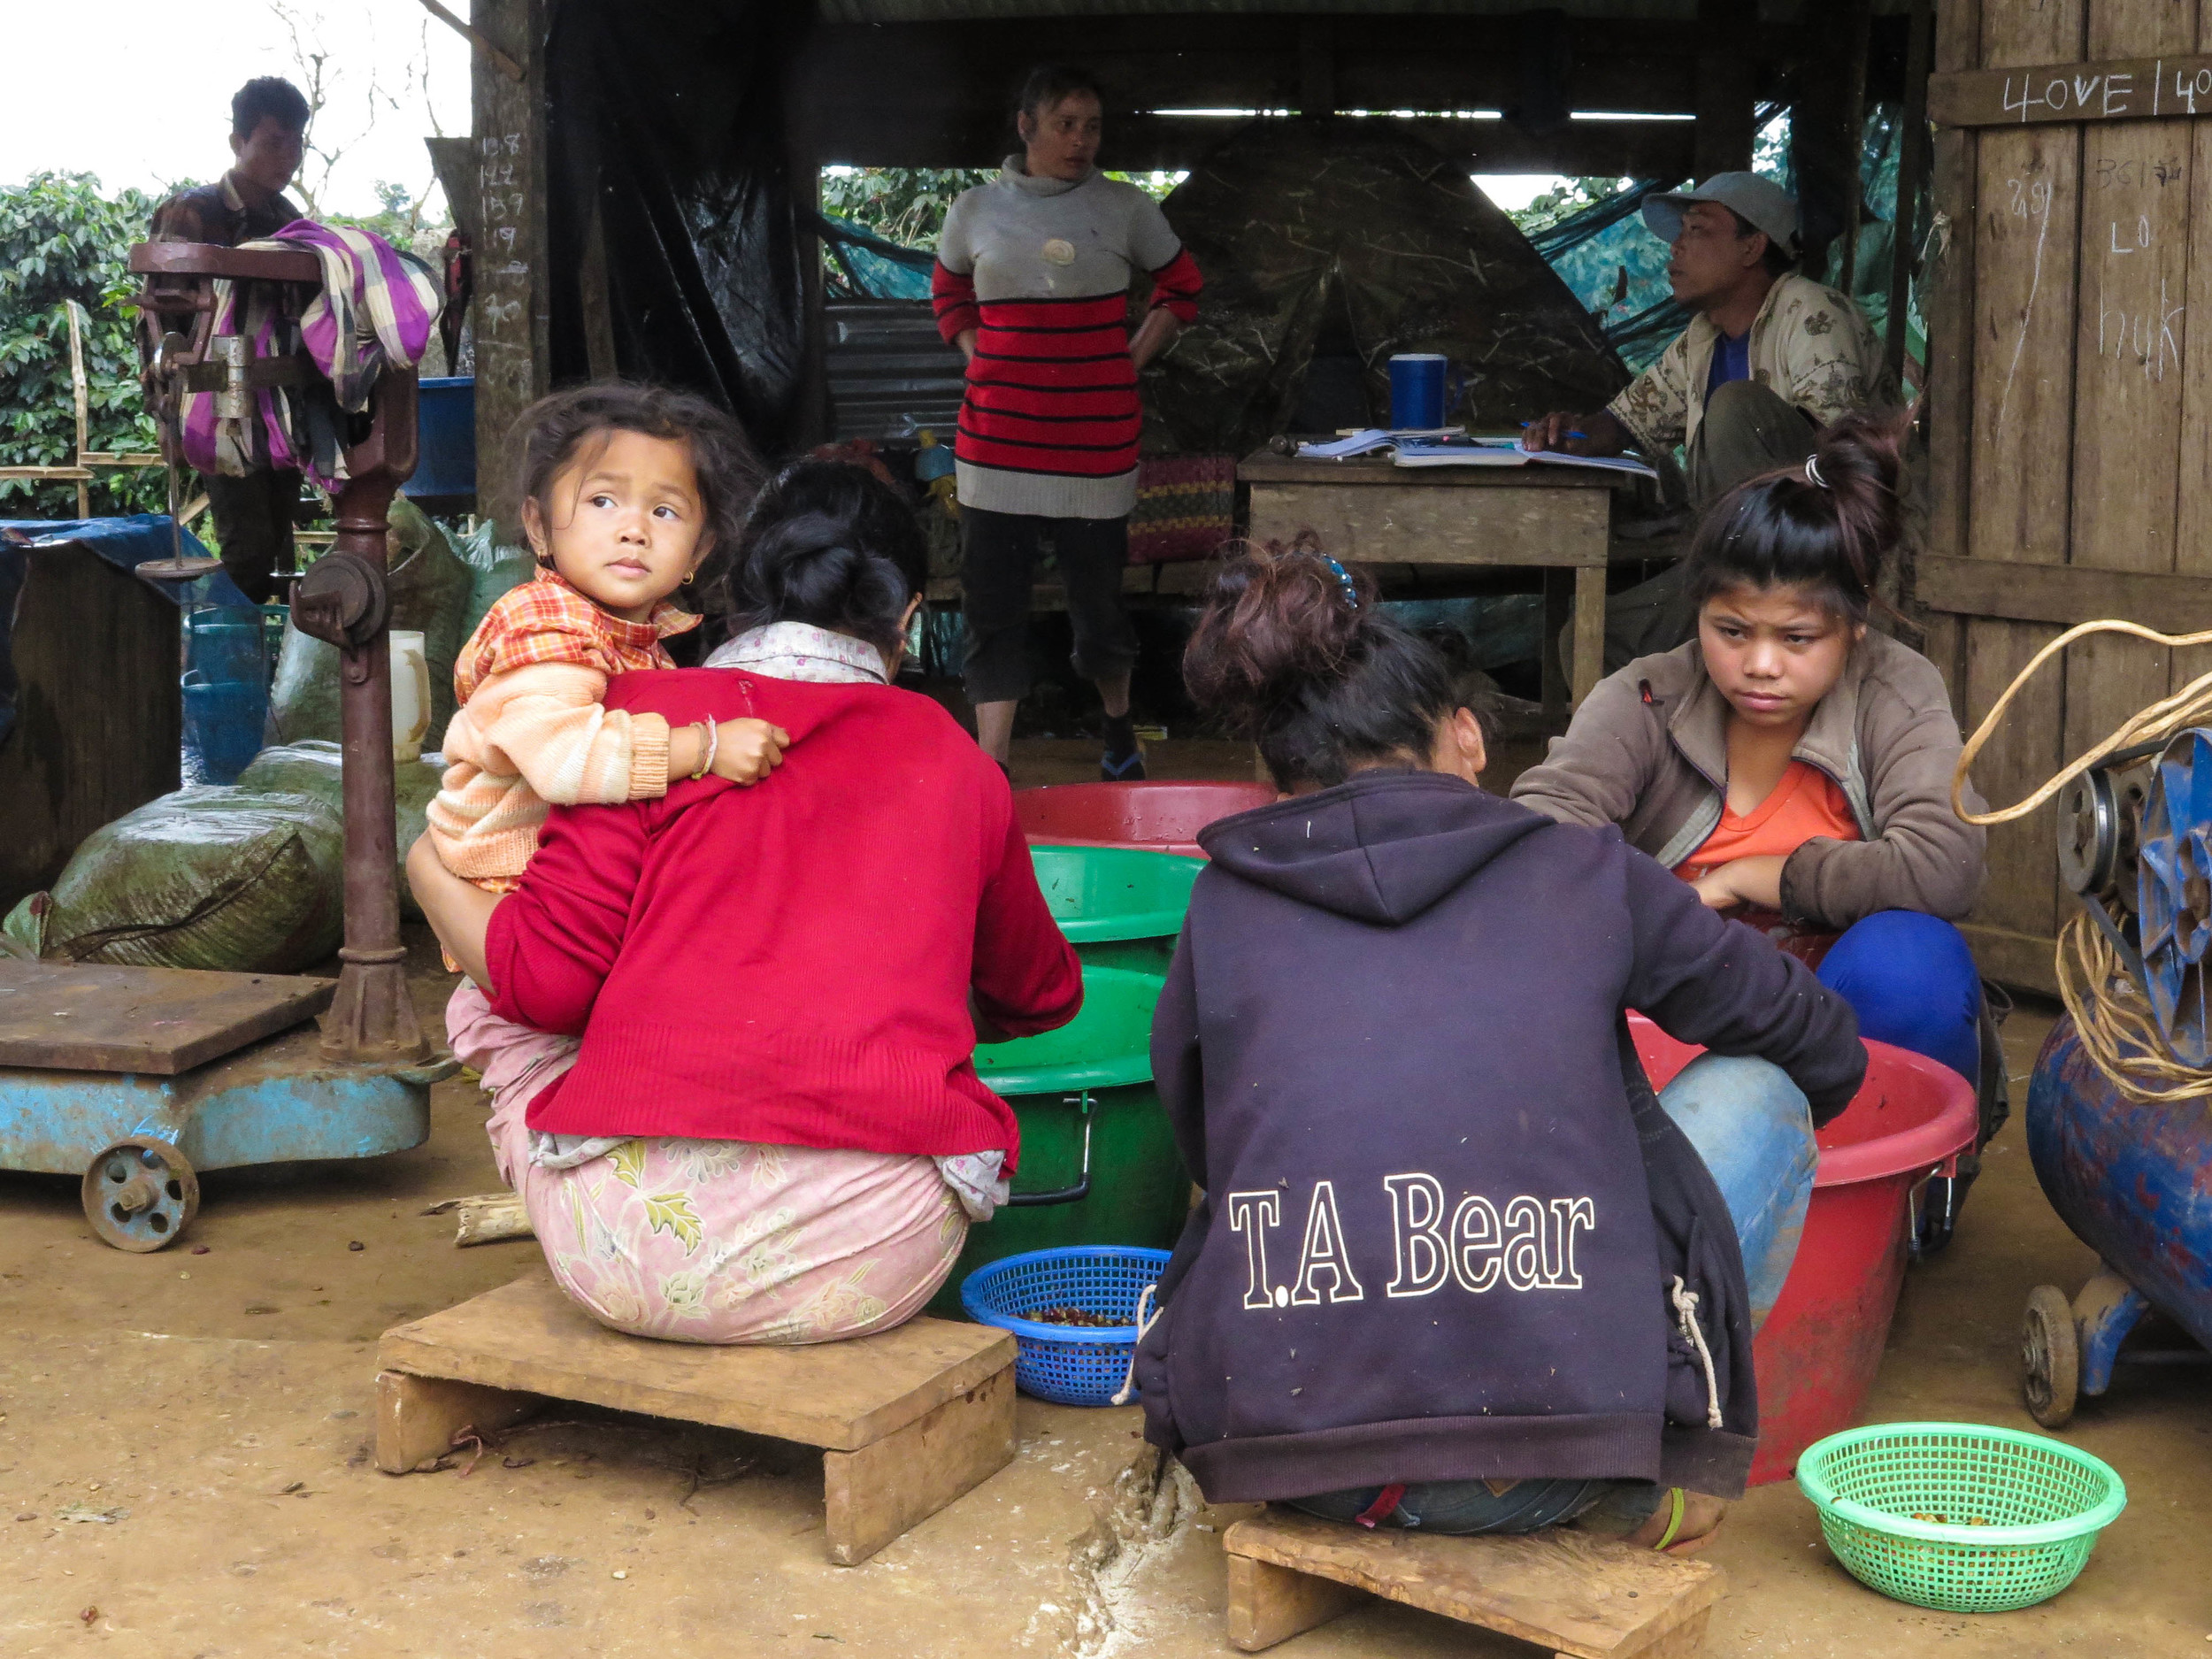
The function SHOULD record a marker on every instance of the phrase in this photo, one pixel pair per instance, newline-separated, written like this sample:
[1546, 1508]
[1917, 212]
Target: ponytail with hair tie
[1825, 526]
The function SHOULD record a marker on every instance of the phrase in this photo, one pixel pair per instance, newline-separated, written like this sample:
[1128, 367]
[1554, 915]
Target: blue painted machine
[137, 1078]
[2119, 1112]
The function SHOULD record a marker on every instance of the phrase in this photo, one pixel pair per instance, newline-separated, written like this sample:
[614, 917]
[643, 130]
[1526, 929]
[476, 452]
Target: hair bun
[1281, 622]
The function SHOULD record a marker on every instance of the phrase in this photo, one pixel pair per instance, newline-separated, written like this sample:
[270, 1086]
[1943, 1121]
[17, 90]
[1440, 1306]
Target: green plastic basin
[1139, 1193]
[1119, 906]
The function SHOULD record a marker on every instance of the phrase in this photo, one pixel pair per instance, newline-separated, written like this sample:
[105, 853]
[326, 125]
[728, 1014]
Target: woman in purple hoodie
[1457, 1267]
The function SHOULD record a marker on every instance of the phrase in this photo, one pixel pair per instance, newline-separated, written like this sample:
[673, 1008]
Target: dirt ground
[184, 1463]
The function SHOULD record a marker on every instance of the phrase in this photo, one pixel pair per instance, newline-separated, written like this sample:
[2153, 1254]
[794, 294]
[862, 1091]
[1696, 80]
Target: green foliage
[1569, 197]
[403, 222]
[906, 205]
[62, 241]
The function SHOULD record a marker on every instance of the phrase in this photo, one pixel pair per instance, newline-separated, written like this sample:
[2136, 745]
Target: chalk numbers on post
[505, 203]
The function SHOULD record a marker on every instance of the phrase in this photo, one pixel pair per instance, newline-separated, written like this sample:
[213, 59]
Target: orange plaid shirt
[546, 620]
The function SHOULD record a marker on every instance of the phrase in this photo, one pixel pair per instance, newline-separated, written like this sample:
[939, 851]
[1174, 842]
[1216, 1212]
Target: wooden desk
[1367, 510]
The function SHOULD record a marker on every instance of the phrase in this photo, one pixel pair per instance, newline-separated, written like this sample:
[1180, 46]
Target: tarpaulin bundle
[878, 270]
[1290, 218]
[666, 142]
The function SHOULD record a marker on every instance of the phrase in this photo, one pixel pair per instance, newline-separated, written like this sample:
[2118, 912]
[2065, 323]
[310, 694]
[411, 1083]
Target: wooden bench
[907, 1421]
[1581, 1597]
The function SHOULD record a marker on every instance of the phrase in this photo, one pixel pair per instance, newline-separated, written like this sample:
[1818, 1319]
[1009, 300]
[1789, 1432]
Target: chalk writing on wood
[2030, 199]
[2134, 89]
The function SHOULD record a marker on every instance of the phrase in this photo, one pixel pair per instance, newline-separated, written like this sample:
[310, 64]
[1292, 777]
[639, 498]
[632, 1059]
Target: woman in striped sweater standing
[1032, 283]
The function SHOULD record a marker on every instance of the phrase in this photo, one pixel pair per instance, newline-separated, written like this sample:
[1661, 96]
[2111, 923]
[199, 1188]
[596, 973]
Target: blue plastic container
[445, 467]
[1069, 1364]
[223, 721]
[1417, 390]
[227, 644]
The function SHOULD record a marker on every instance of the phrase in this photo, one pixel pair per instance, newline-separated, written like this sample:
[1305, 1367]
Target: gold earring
[688, 576]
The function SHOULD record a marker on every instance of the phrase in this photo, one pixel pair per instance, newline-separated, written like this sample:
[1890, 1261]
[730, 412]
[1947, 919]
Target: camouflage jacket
[1808, 342]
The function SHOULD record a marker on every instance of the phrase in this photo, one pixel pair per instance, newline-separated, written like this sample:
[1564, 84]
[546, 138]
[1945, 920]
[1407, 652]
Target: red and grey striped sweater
[1052, 393]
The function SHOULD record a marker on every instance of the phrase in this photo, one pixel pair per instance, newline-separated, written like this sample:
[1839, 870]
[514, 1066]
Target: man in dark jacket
[268, 128]
[1448, 1235]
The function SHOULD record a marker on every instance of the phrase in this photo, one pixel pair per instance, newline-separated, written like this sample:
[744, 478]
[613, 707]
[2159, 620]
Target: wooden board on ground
[74, 1017]
[1582, 1597]
[907, 1421]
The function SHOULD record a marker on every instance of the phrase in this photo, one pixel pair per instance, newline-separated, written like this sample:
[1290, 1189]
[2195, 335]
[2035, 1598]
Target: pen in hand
[1526, 425]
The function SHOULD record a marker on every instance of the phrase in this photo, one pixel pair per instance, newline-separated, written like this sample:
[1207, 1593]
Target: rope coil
[2111, 1015]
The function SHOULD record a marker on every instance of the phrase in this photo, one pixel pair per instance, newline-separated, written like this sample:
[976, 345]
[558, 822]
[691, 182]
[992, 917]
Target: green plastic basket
[2020, 1513]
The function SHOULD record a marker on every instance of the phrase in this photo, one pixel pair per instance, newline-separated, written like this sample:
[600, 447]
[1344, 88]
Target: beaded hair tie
[1344, 578]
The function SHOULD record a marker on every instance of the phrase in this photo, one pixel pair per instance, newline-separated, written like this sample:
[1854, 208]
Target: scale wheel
[141, 1194]
[2050, 1357]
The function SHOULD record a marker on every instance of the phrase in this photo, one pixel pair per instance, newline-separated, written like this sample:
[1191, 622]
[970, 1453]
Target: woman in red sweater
[752, 1116]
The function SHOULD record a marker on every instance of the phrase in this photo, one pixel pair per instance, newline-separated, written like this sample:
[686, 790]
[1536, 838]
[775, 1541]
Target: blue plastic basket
[1071, 1365]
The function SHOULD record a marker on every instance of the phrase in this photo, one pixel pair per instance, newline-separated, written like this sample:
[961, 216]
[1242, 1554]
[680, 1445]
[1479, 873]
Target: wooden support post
[1557, 692]
[1725, 93]
[1317, 68]
[1589, 666]
[1826, 132]
[512, 308]
[417, 1417]
[1912, 179]
[874, 1494]
[1269, 1604]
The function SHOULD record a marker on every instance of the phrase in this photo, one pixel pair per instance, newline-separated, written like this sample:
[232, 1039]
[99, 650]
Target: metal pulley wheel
[2088, 833]
[342, 600]
[2174, 894]
[140, 1195]
[2050, 1357]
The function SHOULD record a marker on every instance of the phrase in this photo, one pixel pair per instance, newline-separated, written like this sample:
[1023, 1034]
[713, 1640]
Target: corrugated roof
[949, 10]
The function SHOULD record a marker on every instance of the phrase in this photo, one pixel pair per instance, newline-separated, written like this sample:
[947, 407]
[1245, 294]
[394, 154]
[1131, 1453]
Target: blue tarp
[878, 268]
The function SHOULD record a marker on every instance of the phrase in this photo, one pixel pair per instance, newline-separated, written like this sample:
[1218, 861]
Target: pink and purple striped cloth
[377, 309]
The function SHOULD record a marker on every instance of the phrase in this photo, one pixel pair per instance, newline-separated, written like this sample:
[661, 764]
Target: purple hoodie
[1442, 1206]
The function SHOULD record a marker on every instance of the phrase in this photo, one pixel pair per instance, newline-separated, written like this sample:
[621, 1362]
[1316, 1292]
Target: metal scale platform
[137, 1078]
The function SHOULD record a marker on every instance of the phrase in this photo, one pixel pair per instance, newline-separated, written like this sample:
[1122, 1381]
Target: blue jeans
[1753, 1128]
[1912, 981]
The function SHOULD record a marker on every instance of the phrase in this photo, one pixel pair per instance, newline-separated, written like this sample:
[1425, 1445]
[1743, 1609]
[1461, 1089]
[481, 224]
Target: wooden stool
[1582, 1597]
[907, 1421]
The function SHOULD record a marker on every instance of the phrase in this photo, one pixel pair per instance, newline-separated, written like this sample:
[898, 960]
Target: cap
[1761, 203]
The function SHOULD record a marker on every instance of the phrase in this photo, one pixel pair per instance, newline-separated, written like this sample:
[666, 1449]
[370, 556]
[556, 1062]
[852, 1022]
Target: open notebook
[1505, 452]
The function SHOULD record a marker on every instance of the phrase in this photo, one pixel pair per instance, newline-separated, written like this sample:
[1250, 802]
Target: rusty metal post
[372, 1018]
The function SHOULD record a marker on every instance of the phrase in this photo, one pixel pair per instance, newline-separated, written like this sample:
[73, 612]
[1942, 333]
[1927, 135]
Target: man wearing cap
[1769, 358]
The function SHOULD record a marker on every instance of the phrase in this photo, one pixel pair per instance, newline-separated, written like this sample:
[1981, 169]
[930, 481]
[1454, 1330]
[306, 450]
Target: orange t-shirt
[1807, 803]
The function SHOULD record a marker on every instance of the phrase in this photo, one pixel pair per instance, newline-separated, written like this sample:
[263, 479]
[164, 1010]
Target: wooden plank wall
[2062, 311]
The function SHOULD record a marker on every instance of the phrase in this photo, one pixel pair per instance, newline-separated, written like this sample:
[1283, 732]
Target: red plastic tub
[1819, 1349]
[1163, 816]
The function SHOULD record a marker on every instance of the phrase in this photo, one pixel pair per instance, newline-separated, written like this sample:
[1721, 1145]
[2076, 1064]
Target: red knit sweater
[1052, 387]
[788, 962]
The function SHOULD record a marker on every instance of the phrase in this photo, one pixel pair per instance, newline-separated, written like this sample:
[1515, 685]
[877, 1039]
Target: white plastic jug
[410, 695]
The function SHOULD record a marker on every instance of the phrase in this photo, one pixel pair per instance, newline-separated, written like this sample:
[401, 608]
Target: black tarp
[669, 115]
[1288, 220]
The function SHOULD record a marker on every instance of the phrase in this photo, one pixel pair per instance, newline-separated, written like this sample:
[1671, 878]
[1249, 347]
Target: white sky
[152, 103]
[159, 110]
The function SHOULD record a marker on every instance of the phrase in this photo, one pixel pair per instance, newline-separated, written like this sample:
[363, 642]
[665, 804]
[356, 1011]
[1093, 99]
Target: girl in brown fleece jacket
[1793, 767]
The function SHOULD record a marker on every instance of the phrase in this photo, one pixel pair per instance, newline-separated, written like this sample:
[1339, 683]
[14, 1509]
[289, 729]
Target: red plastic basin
[1163, 816]
[1820, 1347]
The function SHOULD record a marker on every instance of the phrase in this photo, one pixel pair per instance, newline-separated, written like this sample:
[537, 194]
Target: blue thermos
[1417, 390]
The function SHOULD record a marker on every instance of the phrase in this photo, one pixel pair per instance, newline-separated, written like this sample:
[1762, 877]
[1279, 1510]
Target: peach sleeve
[549, 720]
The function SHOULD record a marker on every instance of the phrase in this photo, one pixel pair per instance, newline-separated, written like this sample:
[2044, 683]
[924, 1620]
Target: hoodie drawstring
[1685, 1302]
[1129, 1378]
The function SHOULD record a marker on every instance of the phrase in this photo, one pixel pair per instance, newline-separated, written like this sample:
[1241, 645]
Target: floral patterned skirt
[714, 1241]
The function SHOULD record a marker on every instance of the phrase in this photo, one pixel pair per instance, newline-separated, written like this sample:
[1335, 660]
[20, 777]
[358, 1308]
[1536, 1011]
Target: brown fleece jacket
[1649, 751]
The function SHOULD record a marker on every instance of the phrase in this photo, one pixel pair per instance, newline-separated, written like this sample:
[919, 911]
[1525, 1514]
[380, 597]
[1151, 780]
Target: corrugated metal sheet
[950, 11]
[887, 365]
